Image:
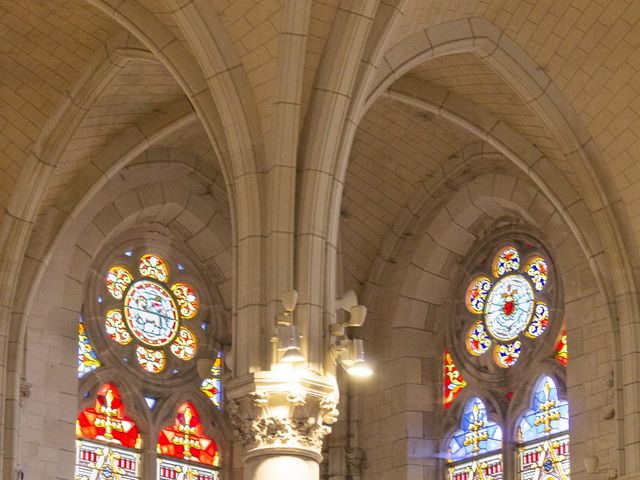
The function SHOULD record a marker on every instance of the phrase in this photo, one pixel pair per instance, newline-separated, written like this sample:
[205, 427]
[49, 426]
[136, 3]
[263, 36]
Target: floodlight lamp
[292, 355]
[288, 341]
[347, 300]
[360, 369]
[353, 361]
[358, 313]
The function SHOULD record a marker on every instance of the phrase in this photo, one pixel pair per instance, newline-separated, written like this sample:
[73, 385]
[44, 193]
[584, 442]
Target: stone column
[282, 418]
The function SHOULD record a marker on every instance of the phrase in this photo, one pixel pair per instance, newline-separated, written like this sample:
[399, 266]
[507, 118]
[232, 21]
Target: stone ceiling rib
[44, 46]
[394, 150]
[590, 51]
[139, 89]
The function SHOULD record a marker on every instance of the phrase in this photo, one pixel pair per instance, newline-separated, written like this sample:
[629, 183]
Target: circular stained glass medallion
[509, 307]
[507, 260]
[539, 322]
[151, 313]
[187, 299]
[538, 272]
[477, 294]
[478, 342]
[507, 355]
[118, 279]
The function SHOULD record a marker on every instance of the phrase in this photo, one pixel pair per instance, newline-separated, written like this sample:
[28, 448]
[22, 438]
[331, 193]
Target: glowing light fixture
[354, 362]
[286, 340]
[347, 352]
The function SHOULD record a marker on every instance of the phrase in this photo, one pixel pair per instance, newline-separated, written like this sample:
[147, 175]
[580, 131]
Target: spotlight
[358, 314]
[289, 342]
[353, 361]
[346, 352]
[349, 303]
[292, 355]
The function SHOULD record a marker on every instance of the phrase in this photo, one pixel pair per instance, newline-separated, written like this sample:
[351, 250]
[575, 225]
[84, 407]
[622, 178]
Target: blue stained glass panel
[478, 435]
[548, 414]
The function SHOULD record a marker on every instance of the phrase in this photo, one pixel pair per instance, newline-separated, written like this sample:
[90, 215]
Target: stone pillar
[282, 418]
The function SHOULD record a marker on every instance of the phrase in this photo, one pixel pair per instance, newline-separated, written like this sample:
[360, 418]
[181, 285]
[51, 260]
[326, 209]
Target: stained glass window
[478, 342]
[118, 279]
[562, 354]
[453, 381]
[151, 313]
[478, 435]
[486, 468]
[511, 308]
[507, 260]
[477, 294]
[507, 354]
[474, 450]
[107, 421]
[152, 266]
[87, 358]
[548, 414]
[548, 459]
[173, 470]
[212, 386]
[192, 453]
[537, 271]
[508, 305]
[543, 433]
[95, 461]
[107, 440]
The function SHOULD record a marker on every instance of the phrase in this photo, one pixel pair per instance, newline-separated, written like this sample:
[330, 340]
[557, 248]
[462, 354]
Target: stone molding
[282, 412]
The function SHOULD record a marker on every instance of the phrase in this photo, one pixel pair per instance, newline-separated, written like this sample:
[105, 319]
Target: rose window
[510, 303]
[151, 313]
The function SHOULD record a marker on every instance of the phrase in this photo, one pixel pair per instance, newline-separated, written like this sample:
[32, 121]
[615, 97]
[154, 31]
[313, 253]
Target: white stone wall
[265, 133]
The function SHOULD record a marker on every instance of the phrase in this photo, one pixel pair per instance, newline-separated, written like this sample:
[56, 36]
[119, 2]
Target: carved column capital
[276, 411]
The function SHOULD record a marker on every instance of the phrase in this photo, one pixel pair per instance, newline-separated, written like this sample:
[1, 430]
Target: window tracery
[474, 450]
[150, 324]
[543, 434]
[151, 314]
[512, 305]
[108, 441]
[509, 305]
[192, 453]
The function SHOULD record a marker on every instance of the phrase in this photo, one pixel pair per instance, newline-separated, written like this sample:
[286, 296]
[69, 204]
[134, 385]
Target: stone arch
[34, 177]
[52, 142]
[67, 259]
[413, 284]
[605, 225]
[530, 82]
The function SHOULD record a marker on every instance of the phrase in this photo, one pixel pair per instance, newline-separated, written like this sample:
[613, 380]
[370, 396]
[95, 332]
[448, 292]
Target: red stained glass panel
[107, 421]
[185, 439]
[453, 380]
[562, 354]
